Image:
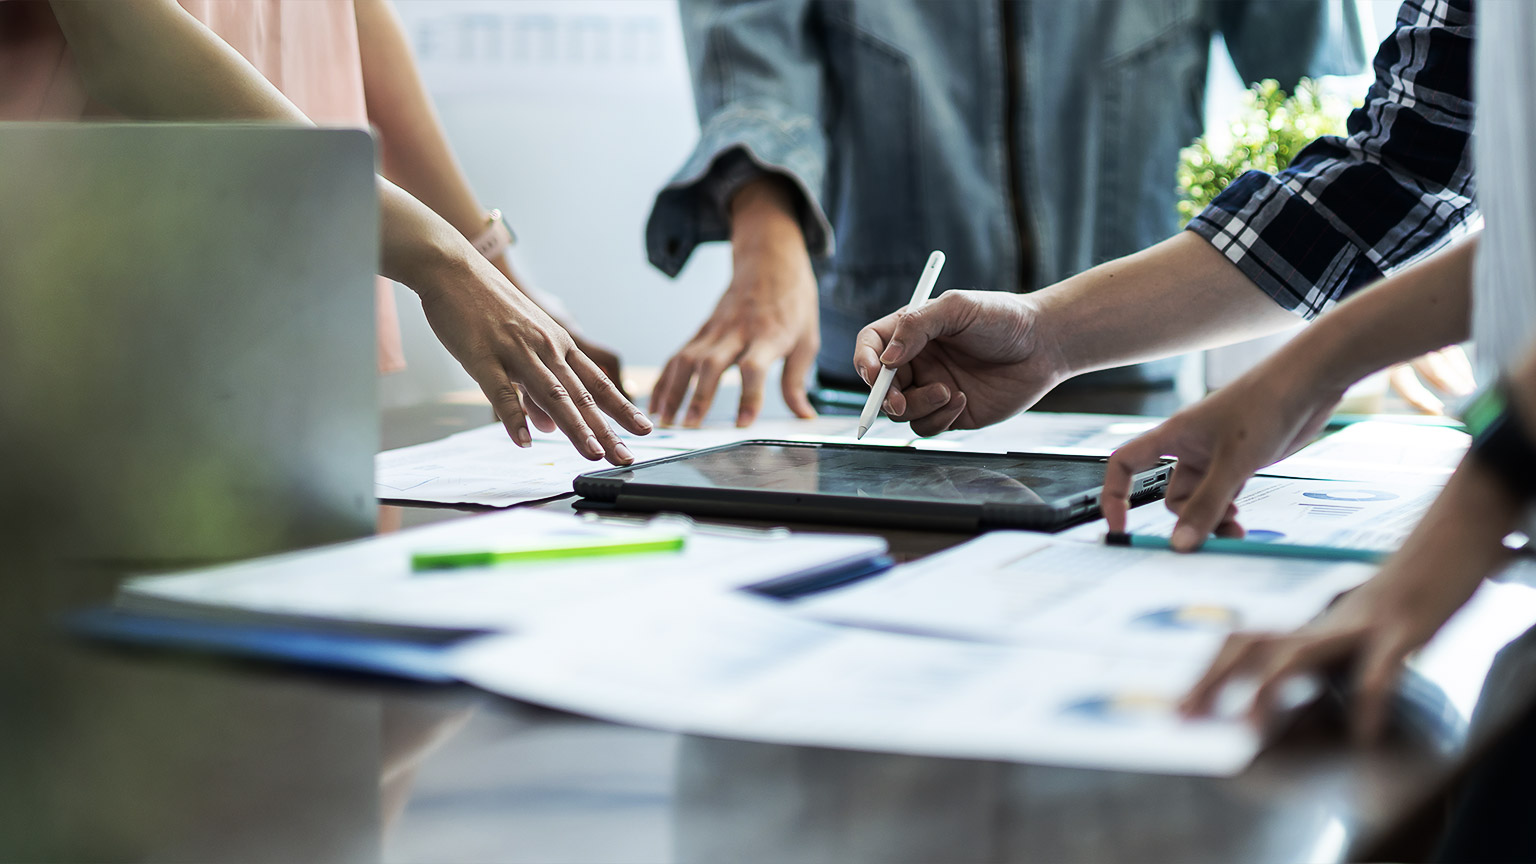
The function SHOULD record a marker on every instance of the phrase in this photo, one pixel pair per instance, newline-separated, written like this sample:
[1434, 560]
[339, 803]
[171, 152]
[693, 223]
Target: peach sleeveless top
[308, 49]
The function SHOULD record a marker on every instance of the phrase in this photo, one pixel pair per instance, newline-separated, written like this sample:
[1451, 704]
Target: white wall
[568, 115]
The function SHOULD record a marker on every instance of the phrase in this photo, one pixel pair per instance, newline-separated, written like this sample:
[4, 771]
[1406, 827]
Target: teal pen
[1232, 546]
[1339, 421]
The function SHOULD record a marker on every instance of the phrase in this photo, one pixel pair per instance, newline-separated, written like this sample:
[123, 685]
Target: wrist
[1066, 328]
[1048, 359]
[763, 215]
[427, 264]
[418, 246]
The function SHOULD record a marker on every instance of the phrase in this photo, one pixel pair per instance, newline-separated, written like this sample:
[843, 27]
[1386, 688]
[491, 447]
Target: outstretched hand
[508, 344]
[1219, 443]
[1370, 631]
[767, 314]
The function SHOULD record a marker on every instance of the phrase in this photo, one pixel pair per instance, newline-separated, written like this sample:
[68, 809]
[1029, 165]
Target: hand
[964, 360]
[507, 344]
[769, 313]
[1372, 629]
[1220, 442]
[606, 360]
[1447, 370]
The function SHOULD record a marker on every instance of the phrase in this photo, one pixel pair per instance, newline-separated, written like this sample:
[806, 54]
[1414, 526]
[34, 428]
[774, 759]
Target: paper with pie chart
[731, 666]
[1370, 515]
[1025, 588]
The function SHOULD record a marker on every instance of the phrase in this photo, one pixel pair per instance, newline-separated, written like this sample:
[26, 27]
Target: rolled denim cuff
[735, 147]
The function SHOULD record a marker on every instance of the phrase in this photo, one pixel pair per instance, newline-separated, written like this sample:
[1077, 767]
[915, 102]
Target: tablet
[866, 484]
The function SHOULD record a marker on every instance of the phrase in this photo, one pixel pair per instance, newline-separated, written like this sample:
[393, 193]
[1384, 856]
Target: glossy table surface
[120, 755]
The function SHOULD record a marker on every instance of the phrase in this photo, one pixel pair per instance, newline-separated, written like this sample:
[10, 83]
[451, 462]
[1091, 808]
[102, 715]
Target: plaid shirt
[1400, 186]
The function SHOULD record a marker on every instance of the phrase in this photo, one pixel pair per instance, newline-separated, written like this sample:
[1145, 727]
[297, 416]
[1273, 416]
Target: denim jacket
[1028, 140]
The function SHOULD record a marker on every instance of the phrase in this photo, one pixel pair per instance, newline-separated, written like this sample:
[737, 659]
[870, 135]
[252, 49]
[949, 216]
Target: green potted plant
[1269, 130]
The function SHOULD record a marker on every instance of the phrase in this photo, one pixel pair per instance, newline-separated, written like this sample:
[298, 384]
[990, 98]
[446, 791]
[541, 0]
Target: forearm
[1460, 540]
[1180, 295]
[417, 245]
[413, 146]
[1425, 307]
[151, 59]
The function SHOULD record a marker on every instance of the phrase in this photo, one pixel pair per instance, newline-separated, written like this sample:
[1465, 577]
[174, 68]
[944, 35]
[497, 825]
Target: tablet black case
[609, 487]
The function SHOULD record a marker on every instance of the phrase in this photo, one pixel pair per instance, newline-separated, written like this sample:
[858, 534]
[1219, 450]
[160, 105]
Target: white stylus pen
[920, 295]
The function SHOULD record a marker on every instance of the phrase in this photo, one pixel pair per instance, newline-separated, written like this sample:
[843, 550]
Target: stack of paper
[371, 581]
[1015, 646]
[1069, 654]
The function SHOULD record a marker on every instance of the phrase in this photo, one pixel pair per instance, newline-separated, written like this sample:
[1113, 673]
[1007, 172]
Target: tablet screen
[876, 472]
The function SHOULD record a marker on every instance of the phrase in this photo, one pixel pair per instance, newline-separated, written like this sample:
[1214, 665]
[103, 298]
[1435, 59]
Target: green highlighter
[563, 549]
[1233, 546]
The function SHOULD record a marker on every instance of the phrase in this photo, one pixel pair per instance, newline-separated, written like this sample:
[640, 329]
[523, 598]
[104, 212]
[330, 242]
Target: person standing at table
[335, 62]
[841, 141]
[1486, 288]
[1400, 184]
[1268, 252]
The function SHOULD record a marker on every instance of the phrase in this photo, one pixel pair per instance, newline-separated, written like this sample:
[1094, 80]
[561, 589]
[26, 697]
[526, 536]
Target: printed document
[826, 428]
[1377, 450]
[1048, 432]
[1034, 589]
[1375, 515]
[736, 667]
[371, 581]
[483, 466]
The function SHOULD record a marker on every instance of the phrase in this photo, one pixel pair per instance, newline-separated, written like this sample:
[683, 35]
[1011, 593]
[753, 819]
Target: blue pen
[1233, 546]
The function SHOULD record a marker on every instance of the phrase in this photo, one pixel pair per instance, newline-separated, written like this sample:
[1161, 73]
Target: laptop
[187, 361]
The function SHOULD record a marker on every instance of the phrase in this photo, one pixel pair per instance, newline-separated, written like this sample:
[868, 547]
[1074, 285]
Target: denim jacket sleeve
[758, 84]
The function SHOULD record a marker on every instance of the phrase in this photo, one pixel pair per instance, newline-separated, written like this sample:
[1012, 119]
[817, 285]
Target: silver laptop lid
[187, 361]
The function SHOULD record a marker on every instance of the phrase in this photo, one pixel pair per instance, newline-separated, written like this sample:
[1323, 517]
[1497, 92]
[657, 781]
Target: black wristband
[1500, 441]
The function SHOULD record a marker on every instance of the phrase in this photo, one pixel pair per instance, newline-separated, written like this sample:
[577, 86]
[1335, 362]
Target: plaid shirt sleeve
[1348, 210]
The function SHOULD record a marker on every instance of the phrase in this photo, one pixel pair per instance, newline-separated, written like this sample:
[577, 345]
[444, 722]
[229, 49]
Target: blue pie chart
[1190, 617]
[1119, 707]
